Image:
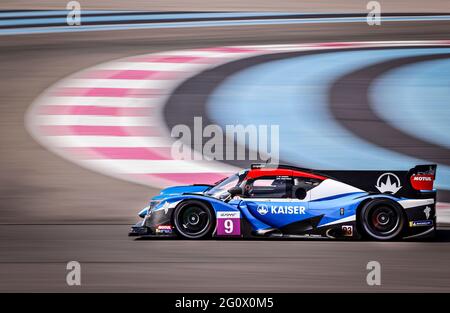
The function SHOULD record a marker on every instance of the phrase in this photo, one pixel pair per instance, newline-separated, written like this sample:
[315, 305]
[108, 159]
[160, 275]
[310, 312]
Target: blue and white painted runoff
[420, 104]
[109, 118]
[293, 93]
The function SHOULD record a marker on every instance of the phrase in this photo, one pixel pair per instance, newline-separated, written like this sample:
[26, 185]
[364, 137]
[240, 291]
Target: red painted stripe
[119, 153]
[92, 110]
[106, 92]
[130, 74]
[281, 172]
[443, 206]
[76, 130]
[173, 59]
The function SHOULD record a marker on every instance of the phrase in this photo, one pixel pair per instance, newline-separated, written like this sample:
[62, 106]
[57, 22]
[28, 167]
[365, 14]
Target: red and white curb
[109, 118]
[443, 213]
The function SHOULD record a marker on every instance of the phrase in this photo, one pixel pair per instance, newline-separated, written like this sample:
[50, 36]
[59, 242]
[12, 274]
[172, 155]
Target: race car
[283, 201]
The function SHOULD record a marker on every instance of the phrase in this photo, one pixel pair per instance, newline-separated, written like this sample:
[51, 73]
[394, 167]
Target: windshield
[220, 190]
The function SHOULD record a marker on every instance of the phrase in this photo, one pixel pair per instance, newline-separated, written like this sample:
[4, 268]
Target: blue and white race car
[291, 202]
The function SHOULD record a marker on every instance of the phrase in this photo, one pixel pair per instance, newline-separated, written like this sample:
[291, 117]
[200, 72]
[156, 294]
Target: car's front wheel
[381, 219]
[193, 220]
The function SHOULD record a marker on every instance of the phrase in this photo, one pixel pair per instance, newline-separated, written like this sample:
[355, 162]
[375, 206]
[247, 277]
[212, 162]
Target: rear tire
[193, 220]
[382, 219]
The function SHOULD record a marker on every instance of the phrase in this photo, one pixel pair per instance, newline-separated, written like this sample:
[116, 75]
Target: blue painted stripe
[87, 28]
[135, 17]
[416, 99]
[292, 93]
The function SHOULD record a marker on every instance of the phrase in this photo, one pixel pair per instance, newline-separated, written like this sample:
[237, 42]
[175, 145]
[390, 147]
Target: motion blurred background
[346, 6]
[53, 211]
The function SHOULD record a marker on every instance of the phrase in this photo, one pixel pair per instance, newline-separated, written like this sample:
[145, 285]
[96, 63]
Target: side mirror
[300, 193]
[235, 191]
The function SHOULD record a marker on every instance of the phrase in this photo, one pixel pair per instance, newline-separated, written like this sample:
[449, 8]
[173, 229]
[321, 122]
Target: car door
[271, 199]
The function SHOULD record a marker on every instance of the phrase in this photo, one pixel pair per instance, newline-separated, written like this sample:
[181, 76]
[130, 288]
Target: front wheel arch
[194, 202]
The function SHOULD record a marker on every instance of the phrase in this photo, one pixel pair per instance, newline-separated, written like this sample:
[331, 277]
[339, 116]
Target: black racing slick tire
[382, 219]
[194, 220]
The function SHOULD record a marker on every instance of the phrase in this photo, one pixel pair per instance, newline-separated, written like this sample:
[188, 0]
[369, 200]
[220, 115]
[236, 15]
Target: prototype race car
[290, 202]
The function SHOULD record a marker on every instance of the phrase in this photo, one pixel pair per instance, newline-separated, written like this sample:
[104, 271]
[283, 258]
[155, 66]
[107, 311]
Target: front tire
[193, 220]
[382, 219]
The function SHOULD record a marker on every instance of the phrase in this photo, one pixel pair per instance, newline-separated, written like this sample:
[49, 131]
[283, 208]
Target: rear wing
[415, 183]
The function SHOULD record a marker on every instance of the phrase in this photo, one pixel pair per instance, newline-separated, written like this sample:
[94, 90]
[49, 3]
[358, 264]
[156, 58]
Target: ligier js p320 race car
[291, 202]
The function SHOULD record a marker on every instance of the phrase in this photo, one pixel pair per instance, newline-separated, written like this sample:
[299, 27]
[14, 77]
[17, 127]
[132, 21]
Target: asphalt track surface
[53, 211]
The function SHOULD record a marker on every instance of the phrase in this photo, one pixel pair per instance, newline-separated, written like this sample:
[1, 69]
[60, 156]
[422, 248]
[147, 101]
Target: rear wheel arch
[378, 202]
[365, 201]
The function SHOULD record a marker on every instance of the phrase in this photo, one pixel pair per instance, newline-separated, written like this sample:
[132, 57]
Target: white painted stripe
[443, 216]
[119, 102]
[174, 204]
[116, 83]
[330, 188]
[270, 47]
[402, 43]
[334, 45]
[406, 204]
[350, 218]
[293, 48]
[158, 166]
[108, 141]
[196, 53]
[92, 120]
[151, 66]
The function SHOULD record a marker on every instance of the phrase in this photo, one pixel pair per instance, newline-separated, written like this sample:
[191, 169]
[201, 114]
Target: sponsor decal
[228, 223]
[164, 229]
[388, 183]
[294, 209]
[422, 178]
[263, 209]
[421, 223]
[422, 181]
[427, 211]
[347, 230]
[311, 236]
[228, 214]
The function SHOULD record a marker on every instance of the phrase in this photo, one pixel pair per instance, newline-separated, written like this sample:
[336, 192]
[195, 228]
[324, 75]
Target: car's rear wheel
[194, 220]
[382, 219]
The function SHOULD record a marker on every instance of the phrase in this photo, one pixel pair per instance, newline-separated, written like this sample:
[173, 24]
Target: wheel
[382, 219]
[193, 220]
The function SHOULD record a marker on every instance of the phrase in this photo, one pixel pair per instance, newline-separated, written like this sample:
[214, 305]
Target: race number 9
[228, 224]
